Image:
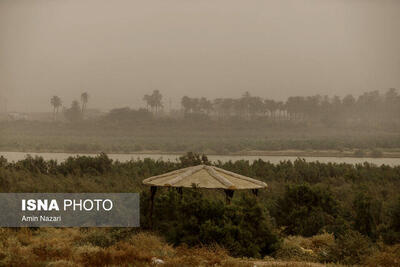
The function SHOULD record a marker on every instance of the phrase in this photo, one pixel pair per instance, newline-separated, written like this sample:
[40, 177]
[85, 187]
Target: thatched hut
[203, 176]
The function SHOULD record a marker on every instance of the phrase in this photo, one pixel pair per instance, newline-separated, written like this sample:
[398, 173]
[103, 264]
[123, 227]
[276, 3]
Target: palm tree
[56, 102]
[154, 100]
[84, 100]
[148, 100]
[157, 97]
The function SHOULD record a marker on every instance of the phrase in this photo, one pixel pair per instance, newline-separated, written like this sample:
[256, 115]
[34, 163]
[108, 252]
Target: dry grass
[386, 257]
[75, 247]
[313, 249]
[102, 247]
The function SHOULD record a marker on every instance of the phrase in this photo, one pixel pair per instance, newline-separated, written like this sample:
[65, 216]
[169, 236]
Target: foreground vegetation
[311, 212]
[120, 247]
[126, 247]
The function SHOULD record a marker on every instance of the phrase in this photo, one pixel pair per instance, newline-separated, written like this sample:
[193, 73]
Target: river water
[15, 156]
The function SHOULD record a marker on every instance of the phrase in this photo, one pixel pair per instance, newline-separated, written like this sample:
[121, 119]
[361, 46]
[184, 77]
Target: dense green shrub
[395, 217]
[80, 165]
[391, 231]
[367, 214]
[350, 248]
[3, 161]
[243, 227]
[192, 159]
[34, 165]
[305, 210]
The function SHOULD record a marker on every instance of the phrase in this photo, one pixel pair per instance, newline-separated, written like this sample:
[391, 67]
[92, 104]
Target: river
[15, 156]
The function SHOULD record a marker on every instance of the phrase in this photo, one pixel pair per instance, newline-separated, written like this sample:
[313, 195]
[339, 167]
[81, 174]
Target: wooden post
[180, 191]
[153, 190]
[229, 195]
[255, 191]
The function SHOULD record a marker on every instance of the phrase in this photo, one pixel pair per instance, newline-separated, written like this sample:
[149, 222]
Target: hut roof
[204, 176]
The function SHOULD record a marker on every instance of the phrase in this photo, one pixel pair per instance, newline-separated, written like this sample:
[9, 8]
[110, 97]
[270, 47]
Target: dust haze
[120, 50]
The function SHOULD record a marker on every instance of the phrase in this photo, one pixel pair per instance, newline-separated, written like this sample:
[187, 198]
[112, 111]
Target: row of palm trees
[56, 103]
[154, 101]
[368, 106]
[247, 106]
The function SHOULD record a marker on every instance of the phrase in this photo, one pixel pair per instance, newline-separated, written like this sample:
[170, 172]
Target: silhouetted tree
[367, 214]
[56, 102]
[154, 101]
[305, 210]
[84, 100]
[74, 113]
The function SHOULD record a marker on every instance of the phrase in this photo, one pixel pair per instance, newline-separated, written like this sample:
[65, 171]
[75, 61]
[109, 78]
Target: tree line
[373, 108]
[370, 108]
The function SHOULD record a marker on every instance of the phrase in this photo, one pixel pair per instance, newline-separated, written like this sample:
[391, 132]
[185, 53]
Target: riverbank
[351, 153]
[248, 140]
[250, 156]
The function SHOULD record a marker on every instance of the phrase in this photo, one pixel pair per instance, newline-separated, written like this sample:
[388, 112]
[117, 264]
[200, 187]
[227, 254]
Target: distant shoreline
[283, 153]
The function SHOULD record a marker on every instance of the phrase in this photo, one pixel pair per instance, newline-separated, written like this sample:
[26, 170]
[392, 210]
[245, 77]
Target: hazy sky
[118, 50]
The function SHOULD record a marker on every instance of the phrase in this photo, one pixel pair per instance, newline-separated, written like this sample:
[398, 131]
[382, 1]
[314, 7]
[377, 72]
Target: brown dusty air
[203, 176]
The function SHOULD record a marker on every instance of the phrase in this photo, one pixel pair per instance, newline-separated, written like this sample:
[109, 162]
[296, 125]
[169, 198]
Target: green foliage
[244, 227]
[367, 214]
[350, 248]
[391, 232]
[3, 161]
[193, 159]
[303, 199]
[306, 210]
[78, 165]
[395, 217]
[33, 165]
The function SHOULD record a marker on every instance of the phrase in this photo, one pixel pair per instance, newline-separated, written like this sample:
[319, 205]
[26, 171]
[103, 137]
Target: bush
[81, 165]
[296, 248]
[391, 232]
[34, 165]
[350, 248]
[192, 159]
[387, 257]
[244, 228]
[305, 210]
[97, 238]
[367, 214]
